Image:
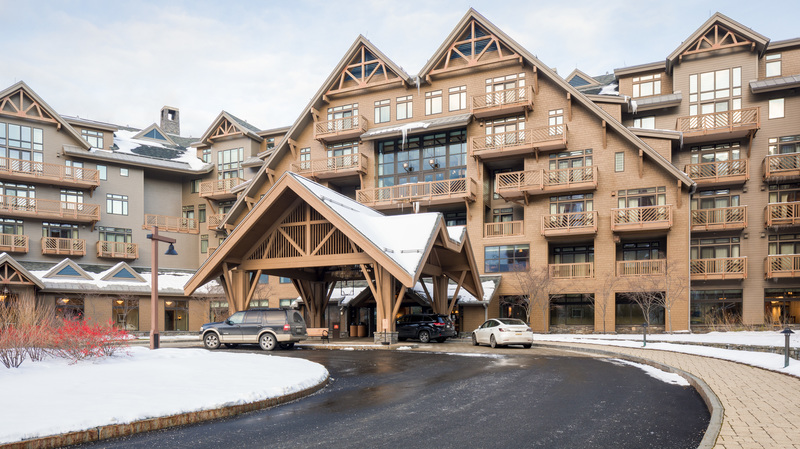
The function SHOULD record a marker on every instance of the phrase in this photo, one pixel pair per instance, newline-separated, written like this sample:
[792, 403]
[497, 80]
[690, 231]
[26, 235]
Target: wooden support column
[641, 162]
[237, 285]
[455, 294]
[569, 106]
[605, 135]
[315, 296]
[678, 192]
[440, 294]
[535, 81]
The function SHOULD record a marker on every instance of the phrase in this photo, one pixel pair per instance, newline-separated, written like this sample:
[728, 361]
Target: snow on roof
[456, 233]
[610, 89]
[464, 297]
[125, 142]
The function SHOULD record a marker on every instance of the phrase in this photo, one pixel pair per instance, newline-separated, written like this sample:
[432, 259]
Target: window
[60, 230]
[95, 138]
[383, 111]
[776, 108]
[201, 213]
[784, 193]
[195, 186]
[121, 235]
[176, 315]
[343, 117]
[284, 280]
[229, 163]
[204, 243]
[619, 161]
[206, 155]
[506, 258]
[433, 102]
[116, 204]
[773, 65]
[270, 143]
[500, 132]
[647, 86]
[652, 196]
[18, 190]
[457, 99]
[715, 248]
[305, 158]
[573, 254]
[566, 160]
[645, 122]
[780, 244]
[572, 309]
[455, 218]
[431, 157]
[71, 196]
[716, 199]
[11, 226]
[263, 279]
[21, 142]
[502, 215]
[712, 92]
[571, 204]
[555, 122]
[125, 313]
[505, 89]
[69, 308]
[405, 107]
[123, 172]
[154, 134]
[218, 311]
[188, 212]
[643, 251]
[285, 303]
[102, 171]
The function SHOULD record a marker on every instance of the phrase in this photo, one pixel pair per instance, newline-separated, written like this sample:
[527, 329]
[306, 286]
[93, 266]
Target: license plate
[519, 333]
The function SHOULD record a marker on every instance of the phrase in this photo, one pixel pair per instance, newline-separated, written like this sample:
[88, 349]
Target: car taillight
[502, 329]
[286, 327]
[438, 324]
[528, 330]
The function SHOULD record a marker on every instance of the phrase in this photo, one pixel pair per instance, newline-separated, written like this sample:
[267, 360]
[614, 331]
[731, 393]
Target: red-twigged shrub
[78, 340]
[12, 346]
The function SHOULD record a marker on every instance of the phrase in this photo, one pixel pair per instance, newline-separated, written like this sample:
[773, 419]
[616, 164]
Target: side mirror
[228, 322]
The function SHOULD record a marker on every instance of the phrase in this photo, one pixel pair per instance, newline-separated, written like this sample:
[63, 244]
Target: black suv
[425, 327]
[267, 327]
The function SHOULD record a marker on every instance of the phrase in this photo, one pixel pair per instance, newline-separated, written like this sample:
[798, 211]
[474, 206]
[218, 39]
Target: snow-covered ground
[53, 397]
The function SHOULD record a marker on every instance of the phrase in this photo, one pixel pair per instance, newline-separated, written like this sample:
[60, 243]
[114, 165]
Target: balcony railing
[781, 166]
[573, 223]
[117, 250]
[332, 167]
[13, 243]
[502, 102]
[641, 218]
[30, 171]
[171, 224]
[18, 206]
[737, 123]
[720, 218]
[782, 266]
[572, 270]
[63, 247]
[519, 142]
[719, 269]
[220, 188]
[532, 182]
[635, 268]
[215, 220]
[782, 214]
[340, 128]
[735, 171]
[433, 192]
[504, 229]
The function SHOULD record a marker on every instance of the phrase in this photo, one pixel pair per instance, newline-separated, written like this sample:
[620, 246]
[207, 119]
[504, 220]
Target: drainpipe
[485, 311]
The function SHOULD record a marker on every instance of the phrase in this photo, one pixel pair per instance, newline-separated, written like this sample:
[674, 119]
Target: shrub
[79, 340]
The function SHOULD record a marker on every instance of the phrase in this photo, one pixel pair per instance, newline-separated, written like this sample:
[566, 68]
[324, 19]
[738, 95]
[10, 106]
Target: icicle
[634, 106]
[404, 131]
[416, 81]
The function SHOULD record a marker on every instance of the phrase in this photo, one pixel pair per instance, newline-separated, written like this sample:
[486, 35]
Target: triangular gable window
[577, 81]
[154, 134]
[717, 37]
[67, 269]
[224, 129]
[122, 272]
[21, 104]
[364, 69]
[474, 46]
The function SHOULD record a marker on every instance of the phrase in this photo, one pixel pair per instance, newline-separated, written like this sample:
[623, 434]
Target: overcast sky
[121, 61]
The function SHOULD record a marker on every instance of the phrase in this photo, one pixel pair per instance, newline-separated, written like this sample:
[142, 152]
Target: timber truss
[20, 104]
[474, 46]
[716, 38]
[225, 128]
[364, 70]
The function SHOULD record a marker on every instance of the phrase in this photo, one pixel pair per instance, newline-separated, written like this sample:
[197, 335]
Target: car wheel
[424, 336]
[492, 342]
[474, 340]
[527, 346]
[211, 340]
[230, 345]
[441, 339]
[267, 341]
[289, 345]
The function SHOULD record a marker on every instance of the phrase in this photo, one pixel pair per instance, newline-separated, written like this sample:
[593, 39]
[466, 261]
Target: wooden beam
[398, 301]
[293, 147]
[306, 261]
[431, 270]
[641, 162]
[569, 106]
[605, 134]
[314, 114]
[427, 293]
[535, 80]
[678, 181]
[455, 295]
[369, 280]
[252, 289]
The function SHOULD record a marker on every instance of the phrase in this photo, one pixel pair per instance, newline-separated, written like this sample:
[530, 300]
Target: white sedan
[503, 331]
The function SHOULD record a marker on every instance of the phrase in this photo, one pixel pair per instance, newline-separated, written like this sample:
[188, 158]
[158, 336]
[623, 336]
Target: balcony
[504, 229]
[519, 143]
[117, 250]
[502, 102]
[449, 191]
[782, 214]
[583, 270]
[18, 206]
[63, 247]
[719, 125]
[781, 167]
[171, 224]
[719, 219]
[636, 268]
[215, 220]
[782, 266]
[719, 269]
[333, 167]
[40, 172]
[13, 243]
[722, 172]
[573, 223]
[219, 189]
[514, 185]
[345, 128]
[645, 218]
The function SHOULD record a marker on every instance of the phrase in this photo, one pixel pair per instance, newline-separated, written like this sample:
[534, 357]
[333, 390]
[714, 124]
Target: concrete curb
[709, 397]
[147, 425]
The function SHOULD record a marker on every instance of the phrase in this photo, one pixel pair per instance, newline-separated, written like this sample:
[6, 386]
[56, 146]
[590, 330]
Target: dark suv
[425, 327]
[267, 327]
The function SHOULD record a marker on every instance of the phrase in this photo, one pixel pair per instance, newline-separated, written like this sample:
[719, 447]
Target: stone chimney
[171, 120]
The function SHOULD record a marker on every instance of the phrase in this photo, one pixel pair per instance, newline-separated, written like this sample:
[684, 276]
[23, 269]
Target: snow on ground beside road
[751, 338]
[52, 397]
[670, 378]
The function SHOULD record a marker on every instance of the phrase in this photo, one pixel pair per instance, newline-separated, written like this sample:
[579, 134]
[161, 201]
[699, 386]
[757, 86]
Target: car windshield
[513, 321]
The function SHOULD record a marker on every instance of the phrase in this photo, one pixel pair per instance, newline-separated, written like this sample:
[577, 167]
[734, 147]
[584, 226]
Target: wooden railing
[546, 180]
[504, 229]
[353, 124]
[171, 224]
[520, 138]
[332, 165]
[35, 207]
[777, 165]
[214, 220]
[420, 191]
[711, 172]
[570, 223]
[572, 270]
[219, 186]
[633, 268]
[782, 214]
[734, 217]
[720, 121]
[782, 266]
[720, 268]
[41, 171]
[507, 97]
[13, 243]
[647, 217]
[117, 250]
[66, 247]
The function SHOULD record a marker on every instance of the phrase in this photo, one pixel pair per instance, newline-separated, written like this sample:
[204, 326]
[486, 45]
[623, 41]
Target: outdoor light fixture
[433, 163]
[171, 250]
[407, 167]
[120, 302]
[4, 293]
[787, 332]
[154, 340]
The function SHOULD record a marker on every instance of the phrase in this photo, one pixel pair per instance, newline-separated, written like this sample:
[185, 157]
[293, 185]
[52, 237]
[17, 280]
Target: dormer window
[154, 134]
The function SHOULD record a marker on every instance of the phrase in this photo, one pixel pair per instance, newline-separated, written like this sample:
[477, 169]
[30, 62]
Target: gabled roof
[122, 271]
[67, 268]
[374, 233]
[227, 124]
[154, 133]
[578, 79]
[719, 31]
[5, 259]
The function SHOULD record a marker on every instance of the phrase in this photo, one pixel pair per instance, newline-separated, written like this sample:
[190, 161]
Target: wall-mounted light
[433, 163]
[407, 167]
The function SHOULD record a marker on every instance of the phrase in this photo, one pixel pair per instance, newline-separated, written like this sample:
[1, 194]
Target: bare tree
[604, 302]
[536, 285]
[676, 283]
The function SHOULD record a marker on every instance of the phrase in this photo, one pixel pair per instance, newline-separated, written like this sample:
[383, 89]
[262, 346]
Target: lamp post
[787, 332]
[644, 334]
[154, 340]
